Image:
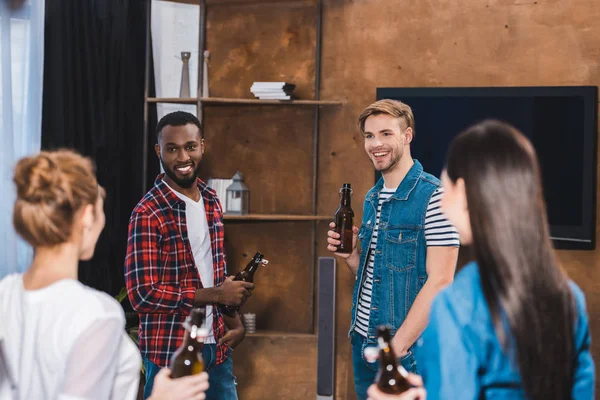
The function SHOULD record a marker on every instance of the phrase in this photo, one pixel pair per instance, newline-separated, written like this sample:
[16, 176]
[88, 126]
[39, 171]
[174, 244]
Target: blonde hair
[52, 187]
[393, 108]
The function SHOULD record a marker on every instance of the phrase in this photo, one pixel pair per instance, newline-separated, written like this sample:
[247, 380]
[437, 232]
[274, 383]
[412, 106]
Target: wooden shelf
[277, 217]
[279, 334]
[256, 102]
[223, 101]
[180, 100]
[232, 2]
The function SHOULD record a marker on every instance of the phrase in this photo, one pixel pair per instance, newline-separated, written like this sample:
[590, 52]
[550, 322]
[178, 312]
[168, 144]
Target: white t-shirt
[65, 341]
[199, 238]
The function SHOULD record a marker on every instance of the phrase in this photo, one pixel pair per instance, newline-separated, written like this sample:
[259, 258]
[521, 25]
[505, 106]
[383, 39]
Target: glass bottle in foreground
[391, 377]
[187, 360]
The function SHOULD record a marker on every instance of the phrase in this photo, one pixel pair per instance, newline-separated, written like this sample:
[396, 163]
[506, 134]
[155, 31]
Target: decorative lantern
[238, 196]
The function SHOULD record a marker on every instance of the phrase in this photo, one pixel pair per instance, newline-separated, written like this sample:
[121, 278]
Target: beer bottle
[187, 360]
[344, 216]
[246, 275]
[391, 378]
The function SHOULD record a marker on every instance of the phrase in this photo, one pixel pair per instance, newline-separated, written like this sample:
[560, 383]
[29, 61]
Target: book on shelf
[273, 90]
[274, 97]
[273, 85]
[220, 186]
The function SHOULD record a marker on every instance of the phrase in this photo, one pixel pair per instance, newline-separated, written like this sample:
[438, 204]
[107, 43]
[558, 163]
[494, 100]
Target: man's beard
[393, 162]
[184, 183]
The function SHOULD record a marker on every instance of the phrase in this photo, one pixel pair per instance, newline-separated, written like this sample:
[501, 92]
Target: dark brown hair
[528, 294]
[52, 187]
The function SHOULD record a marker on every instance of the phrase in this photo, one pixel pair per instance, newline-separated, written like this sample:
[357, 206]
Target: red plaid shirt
[160, 272]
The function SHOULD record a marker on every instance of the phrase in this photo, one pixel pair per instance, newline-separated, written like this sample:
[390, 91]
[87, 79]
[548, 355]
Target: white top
[65, 342]
[438, 232]
[199, 238]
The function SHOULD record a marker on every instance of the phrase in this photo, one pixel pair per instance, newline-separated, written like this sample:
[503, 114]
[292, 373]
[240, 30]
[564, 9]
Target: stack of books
[220, 186]
[273, 90]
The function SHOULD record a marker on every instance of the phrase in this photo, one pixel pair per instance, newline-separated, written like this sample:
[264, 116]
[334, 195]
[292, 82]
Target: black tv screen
[560, 121]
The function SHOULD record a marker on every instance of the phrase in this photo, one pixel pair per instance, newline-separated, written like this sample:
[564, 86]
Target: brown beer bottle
[246, 275]
[187, 360]
[391, 378]
[344, 216]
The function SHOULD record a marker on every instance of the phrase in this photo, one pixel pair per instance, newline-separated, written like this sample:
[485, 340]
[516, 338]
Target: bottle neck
[252, 268]
[386, 355]
[345, 199]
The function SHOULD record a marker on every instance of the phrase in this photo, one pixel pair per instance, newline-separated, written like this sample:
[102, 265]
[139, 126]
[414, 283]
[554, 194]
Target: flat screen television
[560, 121]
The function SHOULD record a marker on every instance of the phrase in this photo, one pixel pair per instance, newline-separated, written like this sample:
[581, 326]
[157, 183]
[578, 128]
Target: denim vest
[399, 270]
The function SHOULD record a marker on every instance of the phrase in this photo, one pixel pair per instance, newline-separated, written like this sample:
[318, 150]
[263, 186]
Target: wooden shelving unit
[276, 144]
[276, 222]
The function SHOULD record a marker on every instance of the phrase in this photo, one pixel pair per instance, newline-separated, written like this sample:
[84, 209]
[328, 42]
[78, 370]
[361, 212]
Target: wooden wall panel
[271, 146]
[261, 42]
[377, 43]
[283, 298]
[369, 44]
[276, 368]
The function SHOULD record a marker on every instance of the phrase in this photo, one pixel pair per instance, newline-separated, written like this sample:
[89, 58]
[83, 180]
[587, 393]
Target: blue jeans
[220, 377]
[364, 371]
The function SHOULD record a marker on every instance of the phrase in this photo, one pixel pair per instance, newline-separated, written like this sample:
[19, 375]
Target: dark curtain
[93, 102]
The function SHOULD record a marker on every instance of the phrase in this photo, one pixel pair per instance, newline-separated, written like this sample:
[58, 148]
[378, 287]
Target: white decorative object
[220, 186]
[205, 74]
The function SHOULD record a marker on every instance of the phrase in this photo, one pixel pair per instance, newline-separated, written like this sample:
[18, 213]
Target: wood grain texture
[257, 42]
[366, 44]
[378, 43]
[271, 147]
[269, 368]
[283, 297]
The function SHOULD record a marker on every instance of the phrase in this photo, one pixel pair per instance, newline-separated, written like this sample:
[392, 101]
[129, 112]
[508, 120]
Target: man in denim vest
[408, 249]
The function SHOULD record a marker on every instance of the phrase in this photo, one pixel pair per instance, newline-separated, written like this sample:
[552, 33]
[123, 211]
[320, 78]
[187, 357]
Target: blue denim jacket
[459, 354]
[399, 270]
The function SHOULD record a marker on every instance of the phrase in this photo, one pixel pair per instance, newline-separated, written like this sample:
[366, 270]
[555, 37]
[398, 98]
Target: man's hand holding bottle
[333, 241]
[234, 293]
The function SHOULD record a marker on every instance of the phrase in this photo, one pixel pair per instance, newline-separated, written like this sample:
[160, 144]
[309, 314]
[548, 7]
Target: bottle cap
[346, 186]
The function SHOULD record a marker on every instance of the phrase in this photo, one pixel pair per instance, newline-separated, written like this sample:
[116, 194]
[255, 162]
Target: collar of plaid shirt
[160, 272]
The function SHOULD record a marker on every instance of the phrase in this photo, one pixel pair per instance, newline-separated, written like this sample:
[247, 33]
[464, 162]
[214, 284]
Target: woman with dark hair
[512, 325]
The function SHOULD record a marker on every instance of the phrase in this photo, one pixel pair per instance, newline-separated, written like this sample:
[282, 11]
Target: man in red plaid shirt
[176, 260]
